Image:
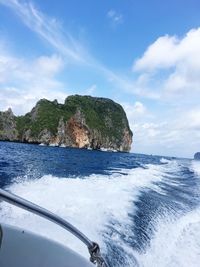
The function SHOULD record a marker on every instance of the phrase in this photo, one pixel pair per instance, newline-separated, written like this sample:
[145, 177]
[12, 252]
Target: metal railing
[93, 247]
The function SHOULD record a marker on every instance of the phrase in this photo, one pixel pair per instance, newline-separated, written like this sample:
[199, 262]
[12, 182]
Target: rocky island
[82, 121]
[197, 156]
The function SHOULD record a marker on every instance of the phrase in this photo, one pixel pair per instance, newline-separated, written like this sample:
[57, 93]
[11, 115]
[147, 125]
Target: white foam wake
[196, 166]
[176, 243]
[164, 160]
[89, 204]
[94, 203]
[176, 238]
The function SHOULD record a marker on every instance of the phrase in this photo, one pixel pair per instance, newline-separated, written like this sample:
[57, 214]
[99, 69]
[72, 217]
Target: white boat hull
[25, 249]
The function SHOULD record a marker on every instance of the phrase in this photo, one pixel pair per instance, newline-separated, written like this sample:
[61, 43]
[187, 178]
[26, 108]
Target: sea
[143, 210]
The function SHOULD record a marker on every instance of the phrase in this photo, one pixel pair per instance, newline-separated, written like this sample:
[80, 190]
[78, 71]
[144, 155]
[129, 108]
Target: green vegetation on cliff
[82, 121]
[101, 114]
[45, 115]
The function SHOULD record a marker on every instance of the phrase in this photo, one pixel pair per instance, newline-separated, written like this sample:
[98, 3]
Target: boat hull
[22, 248]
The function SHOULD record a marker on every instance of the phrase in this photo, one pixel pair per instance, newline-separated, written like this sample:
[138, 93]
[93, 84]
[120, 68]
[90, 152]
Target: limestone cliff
[82, 121]
[197, 156]
[8, 129]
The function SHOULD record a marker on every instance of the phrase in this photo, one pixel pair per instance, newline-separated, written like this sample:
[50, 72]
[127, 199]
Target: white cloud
[23, 82]
[49, 65]
[175, 62]
[136, 113]
[48, 29]
[161, 54]
[22, 99]
[8, 65]
[190, 120]
[91, 90]
[115, 17]
[177, 135]
[168, 51]
[170, 66]
[64, 44]
[139, 108]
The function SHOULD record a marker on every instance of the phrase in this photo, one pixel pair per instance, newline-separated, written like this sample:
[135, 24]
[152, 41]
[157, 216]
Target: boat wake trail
[175, 230]
[129, 213]
[176, 242]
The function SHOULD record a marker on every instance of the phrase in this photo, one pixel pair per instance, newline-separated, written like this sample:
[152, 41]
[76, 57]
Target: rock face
[8, 129]
[82, 121]
[197, 156]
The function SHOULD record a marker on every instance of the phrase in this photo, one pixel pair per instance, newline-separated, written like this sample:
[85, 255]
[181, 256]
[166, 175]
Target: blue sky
[143, 54]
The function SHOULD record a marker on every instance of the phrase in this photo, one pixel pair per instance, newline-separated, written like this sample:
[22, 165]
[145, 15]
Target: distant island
[82, 121]
[197, 156]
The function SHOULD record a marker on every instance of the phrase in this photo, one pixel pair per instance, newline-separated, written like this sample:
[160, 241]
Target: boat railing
[93, 247]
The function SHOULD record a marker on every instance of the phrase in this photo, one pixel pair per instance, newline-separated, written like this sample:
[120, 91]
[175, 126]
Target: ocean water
[142, 210]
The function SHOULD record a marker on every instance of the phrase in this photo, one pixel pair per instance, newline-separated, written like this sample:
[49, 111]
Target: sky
[143, 54]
